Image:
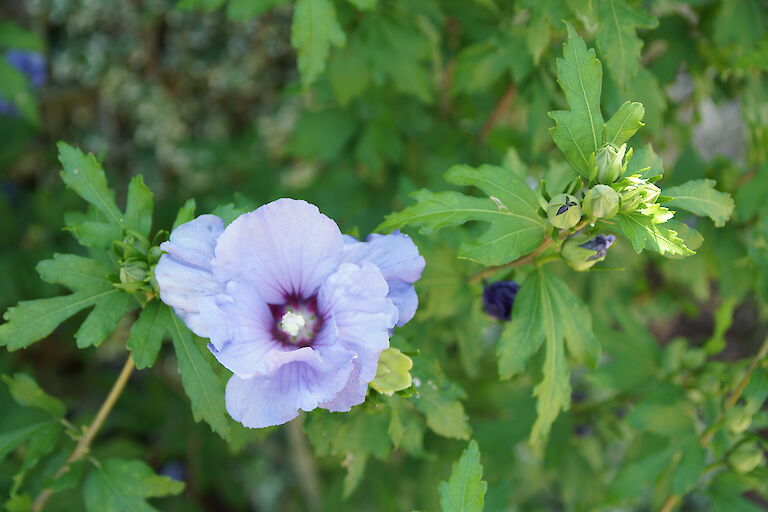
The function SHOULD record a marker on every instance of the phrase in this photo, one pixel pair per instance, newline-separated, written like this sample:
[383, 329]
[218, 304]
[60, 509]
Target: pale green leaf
[644, 233]
[624, 123]
[465, 489]
[117, 485]
[186, 213]
[147, 334]
[701, 198]
[83, 174]
[27, 393]
[617, 38]
[579, 132]
[313, 31]
[138, 211]
[201, 384]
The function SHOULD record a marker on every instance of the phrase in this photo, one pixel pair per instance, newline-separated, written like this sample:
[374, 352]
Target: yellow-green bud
[393, 372]
[637, 191]
[746, 457]
[133, 273]
[564, 211]
[580, 252]
[610, 163]
[738, 419]
[601, 202]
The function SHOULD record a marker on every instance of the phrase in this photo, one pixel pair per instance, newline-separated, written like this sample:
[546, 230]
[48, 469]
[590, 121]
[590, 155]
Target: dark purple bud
[600, 245]
[498, 298]
[30, 63]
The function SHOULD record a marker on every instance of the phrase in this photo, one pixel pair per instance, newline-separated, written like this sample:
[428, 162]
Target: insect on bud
[499, 297]
[564, 211]
[601, 202]
[580, 252]
[610, 163]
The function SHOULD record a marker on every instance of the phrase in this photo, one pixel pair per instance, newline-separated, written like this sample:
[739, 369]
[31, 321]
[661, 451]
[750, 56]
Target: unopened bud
[499, 297]
[610, 163]
[601, 202]
[393, 372]
[580, 252]
[133, 273]
[738, 419]
[636, 191]
[746, 457]
[564, 211]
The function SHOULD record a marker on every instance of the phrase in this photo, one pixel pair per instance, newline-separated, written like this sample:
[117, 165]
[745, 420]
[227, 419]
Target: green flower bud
[738, 419]
[746, 457]
[133, 273]
[610, 163]
[601, 202]
[564, 211]
[580, 252]
[393, 372]
[636, 191]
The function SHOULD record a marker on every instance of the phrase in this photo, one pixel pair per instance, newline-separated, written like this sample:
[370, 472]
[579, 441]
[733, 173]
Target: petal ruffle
[356, 298]
[184, 272]
[400, 263]
[264, 401]
[286, 247]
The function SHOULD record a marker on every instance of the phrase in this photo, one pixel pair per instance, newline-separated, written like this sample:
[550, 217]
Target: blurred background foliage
[205, 99]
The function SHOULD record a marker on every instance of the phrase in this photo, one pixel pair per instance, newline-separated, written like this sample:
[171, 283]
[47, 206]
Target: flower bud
[636, 191]
[580, 252]
[499, 297]
[610, 163]
[738, 419]
[601, 202]
[564, 211]
[393, 372]
[133, 273]
[746, 457]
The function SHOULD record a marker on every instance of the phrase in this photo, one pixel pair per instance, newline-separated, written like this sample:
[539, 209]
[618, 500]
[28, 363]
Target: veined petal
[398, 260]
[184, 272]
[356, 298]
[264, 401]
[284, 248]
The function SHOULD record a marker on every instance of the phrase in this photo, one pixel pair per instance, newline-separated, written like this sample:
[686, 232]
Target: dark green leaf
[74, 272]
[147, 334]
[102, 321]
[123, 486]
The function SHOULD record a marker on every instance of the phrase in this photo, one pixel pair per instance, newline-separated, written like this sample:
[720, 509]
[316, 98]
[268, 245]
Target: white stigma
[292, 323]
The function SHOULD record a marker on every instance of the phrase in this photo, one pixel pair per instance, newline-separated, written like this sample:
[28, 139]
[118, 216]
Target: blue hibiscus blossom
[31, 64]
[298, 312]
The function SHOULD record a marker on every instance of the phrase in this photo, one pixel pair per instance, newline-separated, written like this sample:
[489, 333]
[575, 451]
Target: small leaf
[83, 174]
[393, 372]
[123, 486]
[186, 213]
[465, 489]
[617, 38]
[102, 321]
[313, 31]
[33, 320]
[700, 197]
[624, 123]
[147, 334]
[138, 211]
[579, 132]
[201, 384]
[644, 233]
[27, 393]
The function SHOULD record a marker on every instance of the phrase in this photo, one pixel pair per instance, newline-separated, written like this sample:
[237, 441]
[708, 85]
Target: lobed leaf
[313, 31]
[644, 233]
[701, 198]
[465, 489]
[27, 393]
[117, 485]
[103, 320]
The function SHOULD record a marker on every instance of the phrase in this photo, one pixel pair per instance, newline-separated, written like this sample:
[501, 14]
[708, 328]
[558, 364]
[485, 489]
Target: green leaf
[641, 230]
[636, 476]
[617, 38]
[10, 440]
[465, 489]
[438, 398]
[102, 321]
[646, 163]
[244, 10]
[147, 334]
[201, 384]
[138, 211]
[364, 5]
[186, 213]
[523, 335]
[579, 132]
[14, 36]
[83, 174]
[313, 31]
[75, 272]
[624, 123]
[511, 209]
[27, 393]
[33, 320]
[124, 486]
[700, 197]
[689, 470]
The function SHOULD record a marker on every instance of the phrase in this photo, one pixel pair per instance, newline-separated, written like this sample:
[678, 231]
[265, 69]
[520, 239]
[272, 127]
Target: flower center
[297, 322]
[292, 323]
